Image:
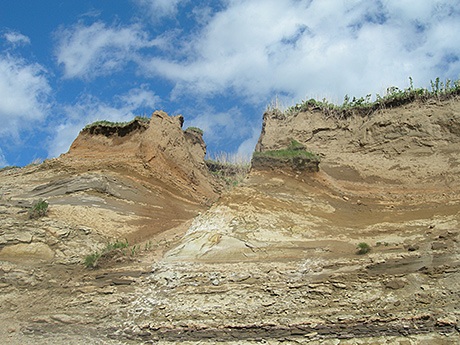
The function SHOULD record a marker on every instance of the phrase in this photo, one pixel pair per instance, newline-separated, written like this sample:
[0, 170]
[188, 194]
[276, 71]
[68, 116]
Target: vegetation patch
[9, 167]
[195, 130]
[287, 153]
[363, 248]
[92, 260]
[364, 106]
[295, 156]
[229, 169]
[39, 209]
[121, 129]
[114, 252]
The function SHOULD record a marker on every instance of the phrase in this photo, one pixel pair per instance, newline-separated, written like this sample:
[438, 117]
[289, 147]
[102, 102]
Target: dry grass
[229, 168]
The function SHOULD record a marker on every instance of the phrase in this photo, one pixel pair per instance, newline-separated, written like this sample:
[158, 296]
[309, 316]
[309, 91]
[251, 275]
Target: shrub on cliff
[39, 209]
[363, 248]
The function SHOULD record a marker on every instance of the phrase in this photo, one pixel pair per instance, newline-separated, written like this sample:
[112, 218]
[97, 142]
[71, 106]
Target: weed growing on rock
[116, 245]
[39, 209]
[363, 248]
[91, 260]
[113, 252]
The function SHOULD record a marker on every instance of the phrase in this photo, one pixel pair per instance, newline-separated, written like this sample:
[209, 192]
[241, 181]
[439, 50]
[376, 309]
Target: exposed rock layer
[272, 261]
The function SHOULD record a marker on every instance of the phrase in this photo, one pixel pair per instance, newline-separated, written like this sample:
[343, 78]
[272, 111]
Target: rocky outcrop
[411, 145]
[159, 149]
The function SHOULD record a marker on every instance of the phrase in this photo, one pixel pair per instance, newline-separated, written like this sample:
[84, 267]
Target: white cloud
[89, 51]
[315, 48]
[90, 109]
[3, 162]
[218, 126]
[246, 148]
[25, 92]
[157, 9]
[16, 38]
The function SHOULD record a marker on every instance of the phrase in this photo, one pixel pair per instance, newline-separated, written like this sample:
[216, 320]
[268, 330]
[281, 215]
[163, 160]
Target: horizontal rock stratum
[273, 260]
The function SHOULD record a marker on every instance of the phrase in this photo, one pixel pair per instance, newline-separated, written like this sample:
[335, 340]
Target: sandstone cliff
[273, 260]
[158, 149]
[389, 181]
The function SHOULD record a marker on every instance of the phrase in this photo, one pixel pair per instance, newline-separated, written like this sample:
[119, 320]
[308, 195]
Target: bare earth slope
[271, 261]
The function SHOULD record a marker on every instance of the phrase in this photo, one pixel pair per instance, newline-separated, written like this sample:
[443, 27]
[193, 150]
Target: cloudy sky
[64, 64]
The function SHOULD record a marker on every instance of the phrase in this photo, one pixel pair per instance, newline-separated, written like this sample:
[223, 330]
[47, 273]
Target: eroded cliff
[274, 260]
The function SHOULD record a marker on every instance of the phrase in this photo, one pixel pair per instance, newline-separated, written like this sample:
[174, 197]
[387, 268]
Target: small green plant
[39, 209]
[148, 245]
[110, 251]
[116, 245]
[363, 248]
[91, 260]
[133, 250]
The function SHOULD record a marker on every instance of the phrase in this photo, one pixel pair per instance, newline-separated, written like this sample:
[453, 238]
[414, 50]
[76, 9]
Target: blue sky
[66, 63]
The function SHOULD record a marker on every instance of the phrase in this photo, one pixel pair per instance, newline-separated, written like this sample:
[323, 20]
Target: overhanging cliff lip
[120, 129]
[295, 157]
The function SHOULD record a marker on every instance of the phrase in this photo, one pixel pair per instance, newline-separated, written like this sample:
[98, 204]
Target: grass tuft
[114, 251]
[363, 248]
[294, 150]
[39, 209]
[195, 129]
[91, 260]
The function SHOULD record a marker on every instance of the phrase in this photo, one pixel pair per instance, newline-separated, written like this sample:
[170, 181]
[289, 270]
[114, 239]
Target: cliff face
[158, 150]
[273, 260]
[288, 237]
[413, 145]
[390, 162]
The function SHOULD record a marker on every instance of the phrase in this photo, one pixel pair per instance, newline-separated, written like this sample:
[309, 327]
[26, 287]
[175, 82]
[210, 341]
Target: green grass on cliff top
[105, 123]
[394, 97]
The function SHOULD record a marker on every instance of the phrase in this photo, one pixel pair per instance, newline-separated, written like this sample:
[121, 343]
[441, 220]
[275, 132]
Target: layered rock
[417, 144]
[275, 260]
[159, 149]
[286, 239]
